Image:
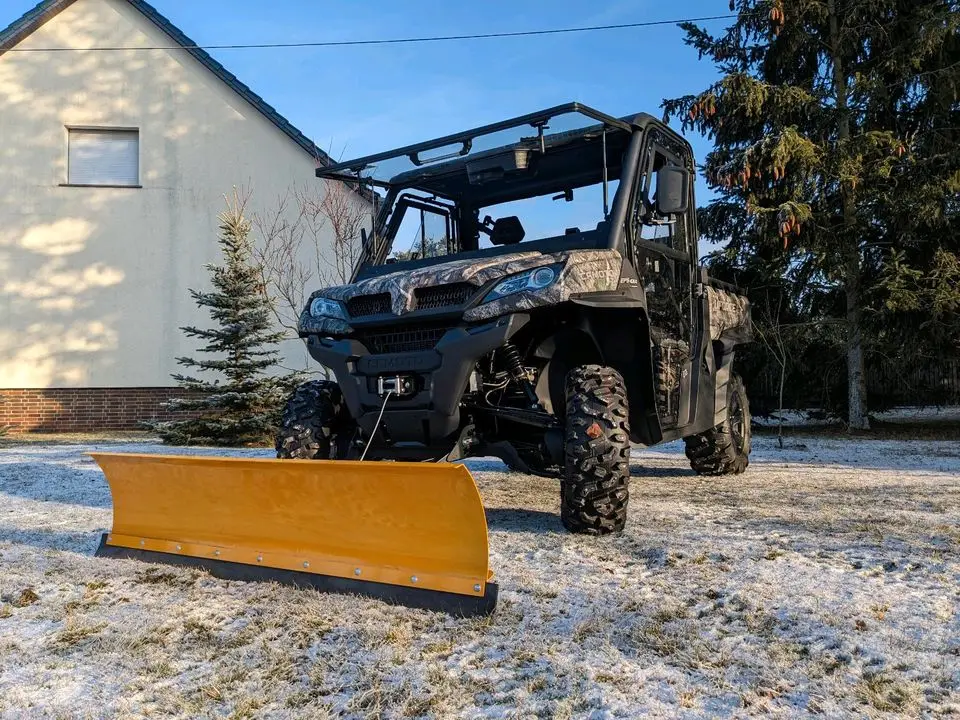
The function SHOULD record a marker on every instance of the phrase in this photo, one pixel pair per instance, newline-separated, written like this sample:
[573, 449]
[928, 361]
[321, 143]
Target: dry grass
[25, 597]
[75, 632]
[886, 693]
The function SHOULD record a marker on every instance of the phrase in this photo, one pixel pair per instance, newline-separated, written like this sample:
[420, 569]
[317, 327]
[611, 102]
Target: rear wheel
[724, 449]
[315, 424]
[595, 487]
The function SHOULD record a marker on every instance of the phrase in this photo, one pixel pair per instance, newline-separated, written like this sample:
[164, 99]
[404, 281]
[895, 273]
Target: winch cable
[376, 425]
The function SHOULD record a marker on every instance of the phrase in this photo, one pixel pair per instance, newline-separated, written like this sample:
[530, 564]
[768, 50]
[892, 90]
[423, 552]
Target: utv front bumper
[427, 413]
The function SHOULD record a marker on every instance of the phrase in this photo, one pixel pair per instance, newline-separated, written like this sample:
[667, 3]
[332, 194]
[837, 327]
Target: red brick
[83, 409]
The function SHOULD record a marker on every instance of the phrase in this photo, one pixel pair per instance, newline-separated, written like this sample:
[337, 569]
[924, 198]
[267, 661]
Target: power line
[391, 41]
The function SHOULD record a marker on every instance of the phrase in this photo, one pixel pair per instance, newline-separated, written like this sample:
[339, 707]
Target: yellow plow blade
[409, 533]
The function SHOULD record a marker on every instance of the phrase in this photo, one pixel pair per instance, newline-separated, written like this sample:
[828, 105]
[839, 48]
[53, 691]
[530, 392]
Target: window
[103, 157]
[425, 230]
[647, 223]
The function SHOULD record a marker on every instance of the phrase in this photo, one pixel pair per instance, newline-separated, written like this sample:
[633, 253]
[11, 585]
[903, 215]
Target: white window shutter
[104, 157]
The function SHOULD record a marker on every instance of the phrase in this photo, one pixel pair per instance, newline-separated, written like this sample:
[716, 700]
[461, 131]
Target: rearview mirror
[673, 190]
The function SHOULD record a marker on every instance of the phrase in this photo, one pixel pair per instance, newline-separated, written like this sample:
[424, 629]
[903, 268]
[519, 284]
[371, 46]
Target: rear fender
[723, 353]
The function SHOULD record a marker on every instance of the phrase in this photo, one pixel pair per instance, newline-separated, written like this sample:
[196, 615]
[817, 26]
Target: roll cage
[456, 174]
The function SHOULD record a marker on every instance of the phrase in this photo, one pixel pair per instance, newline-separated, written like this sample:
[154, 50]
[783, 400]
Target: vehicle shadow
[519, 520]
[638, 470]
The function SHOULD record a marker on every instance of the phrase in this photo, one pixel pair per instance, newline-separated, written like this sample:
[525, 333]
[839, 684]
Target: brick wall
[84, 409]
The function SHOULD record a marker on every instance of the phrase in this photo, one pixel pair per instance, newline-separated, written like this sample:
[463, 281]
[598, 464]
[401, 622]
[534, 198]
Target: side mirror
[507, 231]
[673, 190]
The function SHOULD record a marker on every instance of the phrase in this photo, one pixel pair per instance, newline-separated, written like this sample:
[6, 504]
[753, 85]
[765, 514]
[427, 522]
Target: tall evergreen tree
[241, 404]
[836, 156]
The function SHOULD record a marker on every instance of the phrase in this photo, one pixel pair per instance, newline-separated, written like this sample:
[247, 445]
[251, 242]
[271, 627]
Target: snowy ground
[825, 580]
[896, 416]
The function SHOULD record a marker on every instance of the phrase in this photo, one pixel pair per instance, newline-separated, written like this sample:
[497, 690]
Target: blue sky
[357, 100]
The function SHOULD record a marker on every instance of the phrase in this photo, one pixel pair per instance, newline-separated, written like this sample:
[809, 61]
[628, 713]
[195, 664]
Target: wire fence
[889, 384]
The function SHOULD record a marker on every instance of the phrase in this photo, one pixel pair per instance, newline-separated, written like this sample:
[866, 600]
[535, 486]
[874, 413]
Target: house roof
[48, 9]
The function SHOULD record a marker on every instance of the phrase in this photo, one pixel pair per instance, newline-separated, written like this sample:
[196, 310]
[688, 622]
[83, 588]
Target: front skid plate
[452, 603]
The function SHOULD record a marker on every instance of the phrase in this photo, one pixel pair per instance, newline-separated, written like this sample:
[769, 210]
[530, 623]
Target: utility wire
[390, 41]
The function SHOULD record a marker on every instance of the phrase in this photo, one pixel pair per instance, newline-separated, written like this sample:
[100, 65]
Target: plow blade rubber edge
[408, 533]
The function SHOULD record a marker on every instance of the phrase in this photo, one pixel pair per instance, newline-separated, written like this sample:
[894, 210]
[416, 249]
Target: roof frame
[466, 136]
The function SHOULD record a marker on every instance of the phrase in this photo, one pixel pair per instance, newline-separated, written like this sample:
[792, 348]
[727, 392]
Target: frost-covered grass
[825, 580]
[946, 417]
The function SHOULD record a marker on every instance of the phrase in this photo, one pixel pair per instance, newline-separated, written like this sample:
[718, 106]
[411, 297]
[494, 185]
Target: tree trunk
[858, 419]
[783, 377]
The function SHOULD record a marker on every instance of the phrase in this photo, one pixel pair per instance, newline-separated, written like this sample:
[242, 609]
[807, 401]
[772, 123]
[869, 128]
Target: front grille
[362, 305]
[440, 296]
[412, 338]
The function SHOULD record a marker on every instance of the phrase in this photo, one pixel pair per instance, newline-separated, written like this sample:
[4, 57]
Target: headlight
[536, 279]
[325, 307]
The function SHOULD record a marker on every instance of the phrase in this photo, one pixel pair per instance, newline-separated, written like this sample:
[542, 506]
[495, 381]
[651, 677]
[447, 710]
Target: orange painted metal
[408, 524]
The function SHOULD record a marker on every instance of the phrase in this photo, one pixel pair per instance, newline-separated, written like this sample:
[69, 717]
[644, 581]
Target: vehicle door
[664, 256]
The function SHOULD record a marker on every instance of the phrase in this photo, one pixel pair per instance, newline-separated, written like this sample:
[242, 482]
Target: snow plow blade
[408, 533]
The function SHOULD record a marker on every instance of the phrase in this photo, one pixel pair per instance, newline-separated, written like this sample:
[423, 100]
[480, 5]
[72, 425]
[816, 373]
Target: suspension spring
[511, 359]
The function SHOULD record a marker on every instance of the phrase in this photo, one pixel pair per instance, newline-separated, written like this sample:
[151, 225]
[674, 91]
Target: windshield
[432, 230]
[548, 175]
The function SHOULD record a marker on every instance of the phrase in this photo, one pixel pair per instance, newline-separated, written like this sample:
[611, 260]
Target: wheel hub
[737, 421]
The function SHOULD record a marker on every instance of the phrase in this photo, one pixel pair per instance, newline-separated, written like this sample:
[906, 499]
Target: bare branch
[309, 239]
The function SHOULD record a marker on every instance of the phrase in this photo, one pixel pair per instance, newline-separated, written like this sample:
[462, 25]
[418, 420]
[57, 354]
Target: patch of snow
[817, 418]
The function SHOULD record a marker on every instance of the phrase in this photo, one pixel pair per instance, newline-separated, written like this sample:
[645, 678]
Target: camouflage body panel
[670, 358]
[582, 271]
[585, 271]
[322, 326]
[729, 316]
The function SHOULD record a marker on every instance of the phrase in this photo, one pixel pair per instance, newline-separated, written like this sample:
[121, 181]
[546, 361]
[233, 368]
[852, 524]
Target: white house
[113, 169]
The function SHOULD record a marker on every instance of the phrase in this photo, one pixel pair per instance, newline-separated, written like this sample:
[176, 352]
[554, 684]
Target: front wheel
[724, 449]
[595, 487]
[315, 424]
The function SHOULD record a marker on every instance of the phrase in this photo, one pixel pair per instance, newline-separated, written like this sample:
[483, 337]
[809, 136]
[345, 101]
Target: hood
[401, 285]
[582, 271]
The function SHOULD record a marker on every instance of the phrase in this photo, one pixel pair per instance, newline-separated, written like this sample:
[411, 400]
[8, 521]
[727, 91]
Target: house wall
[94, 281]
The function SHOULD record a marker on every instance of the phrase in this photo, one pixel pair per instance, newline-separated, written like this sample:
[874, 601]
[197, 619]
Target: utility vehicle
[529, 290]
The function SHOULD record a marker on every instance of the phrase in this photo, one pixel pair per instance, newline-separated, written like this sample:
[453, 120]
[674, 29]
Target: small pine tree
[242, 406]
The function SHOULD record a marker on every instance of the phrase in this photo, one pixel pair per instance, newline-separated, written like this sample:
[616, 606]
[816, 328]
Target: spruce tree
[836, 157]
[239, 402]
